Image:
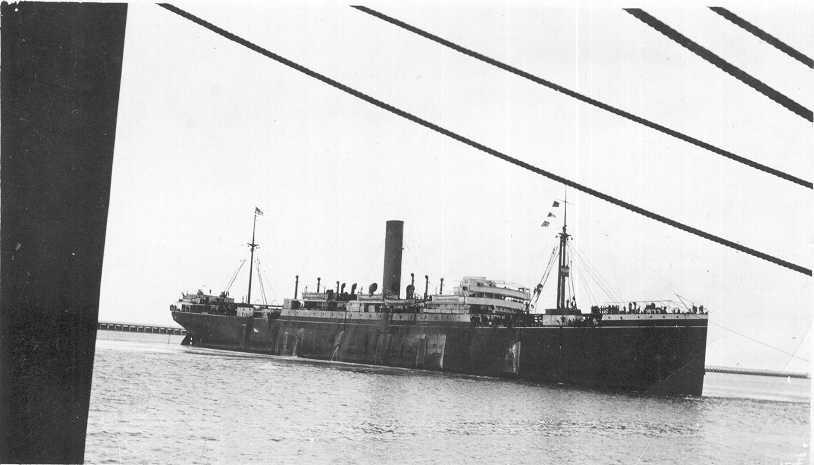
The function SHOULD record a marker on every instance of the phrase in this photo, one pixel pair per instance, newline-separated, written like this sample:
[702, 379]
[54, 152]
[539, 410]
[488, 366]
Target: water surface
[154, 401]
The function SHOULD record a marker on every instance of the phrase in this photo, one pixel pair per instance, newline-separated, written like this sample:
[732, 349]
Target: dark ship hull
[649, 355]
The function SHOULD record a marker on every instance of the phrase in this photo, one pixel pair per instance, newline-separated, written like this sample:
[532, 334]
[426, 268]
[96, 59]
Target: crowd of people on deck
[493, 320]
[635, 308]
[507, 320]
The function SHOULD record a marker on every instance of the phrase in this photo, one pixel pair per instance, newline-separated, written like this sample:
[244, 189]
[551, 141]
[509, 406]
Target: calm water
[155, 401]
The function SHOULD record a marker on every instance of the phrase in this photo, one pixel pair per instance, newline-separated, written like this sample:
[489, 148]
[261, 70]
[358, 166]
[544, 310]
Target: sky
[207, 130]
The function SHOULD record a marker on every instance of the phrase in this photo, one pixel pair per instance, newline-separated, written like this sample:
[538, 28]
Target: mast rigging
[252, 245]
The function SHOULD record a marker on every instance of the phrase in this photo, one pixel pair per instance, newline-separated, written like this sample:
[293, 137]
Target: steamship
[483, 327]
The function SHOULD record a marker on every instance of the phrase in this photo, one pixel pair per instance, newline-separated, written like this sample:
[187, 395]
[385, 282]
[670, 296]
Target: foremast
[252, 245]
[563, 270]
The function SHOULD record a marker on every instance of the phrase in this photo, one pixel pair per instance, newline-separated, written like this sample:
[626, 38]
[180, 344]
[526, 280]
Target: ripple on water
[154, 402]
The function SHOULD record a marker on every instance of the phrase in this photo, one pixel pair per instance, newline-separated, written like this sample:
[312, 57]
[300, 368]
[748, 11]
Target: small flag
[556, 204]
[258, 211]
[545, 224]
[550, 215]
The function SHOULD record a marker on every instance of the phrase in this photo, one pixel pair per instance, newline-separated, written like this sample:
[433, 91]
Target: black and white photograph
[492, 232]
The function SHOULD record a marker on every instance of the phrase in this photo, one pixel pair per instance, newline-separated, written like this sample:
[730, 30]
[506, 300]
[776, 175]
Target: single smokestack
[318, 280]
[426, 285]
[353, 289]
[342, 289]
[391, 277]
[337, 287]
[296, 285]
[441, 291]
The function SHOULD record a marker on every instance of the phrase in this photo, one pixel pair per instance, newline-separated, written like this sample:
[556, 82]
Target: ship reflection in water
[154, 401]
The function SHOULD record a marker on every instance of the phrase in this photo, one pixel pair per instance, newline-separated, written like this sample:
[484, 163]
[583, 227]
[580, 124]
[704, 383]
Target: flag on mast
[258, 211]
[545, 224]
[556, 204]
[551, 215]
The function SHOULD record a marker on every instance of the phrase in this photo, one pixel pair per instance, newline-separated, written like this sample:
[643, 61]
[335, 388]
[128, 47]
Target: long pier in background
[140, 328]
[757, 372]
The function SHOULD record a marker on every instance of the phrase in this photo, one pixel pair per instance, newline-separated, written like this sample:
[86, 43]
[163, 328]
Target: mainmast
[563, 269]
[252, 245]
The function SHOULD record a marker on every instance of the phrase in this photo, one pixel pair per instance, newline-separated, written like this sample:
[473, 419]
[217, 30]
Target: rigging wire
[681, 299]
[483, 148]
[609, 297]
[262, 286]
[594, 274]
[598, 277]
[612, 290]
[571, 280]
[799, 344]
[538, 290]
[582, 280]
[231, 281]
[583, 290]
[596, 293]
[792, 355]
[549, 266]
[591, 275]
[584, 98]
[764, 36]
[722, 64]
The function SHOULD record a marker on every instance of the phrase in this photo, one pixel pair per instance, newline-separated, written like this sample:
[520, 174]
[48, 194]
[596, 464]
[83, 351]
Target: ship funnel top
[393, 246]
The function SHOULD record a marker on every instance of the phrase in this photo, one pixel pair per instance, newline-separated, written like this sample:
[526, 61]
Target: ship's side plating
[653, 358]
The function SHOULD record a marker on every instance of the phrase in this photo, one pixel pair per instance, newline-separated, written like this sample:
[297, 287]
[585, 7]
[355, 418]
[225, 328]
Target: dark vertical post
[426, 286]
[61, 67]
[318, 280]
[296, 285]
[441, 290]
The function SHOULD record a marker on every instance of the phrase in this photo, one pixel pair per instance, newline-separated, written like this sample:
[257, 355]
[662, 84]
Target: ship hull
[651, 357]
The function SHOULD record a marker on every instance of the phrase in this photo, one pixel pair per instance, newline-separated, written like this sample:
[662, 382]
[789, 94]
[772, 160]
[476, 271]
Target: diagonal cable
[584, 98]
[594, 274]
[799, 345]
[793, 355]
[764, 36]
[483, 148]
[544, 278]
[724, 65]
